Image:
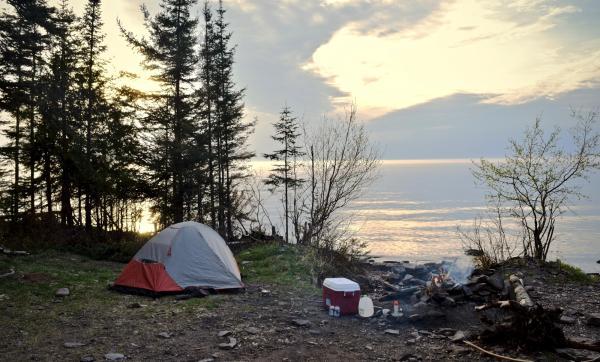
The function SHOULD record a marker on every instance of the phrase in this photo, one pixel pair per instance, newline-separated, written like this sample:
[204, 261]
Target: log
[521, 294]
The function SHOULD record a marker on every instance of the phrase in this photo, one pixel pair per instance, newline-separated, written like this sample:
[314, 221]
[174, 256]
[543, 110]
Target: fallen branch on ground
[7, 251]
[495, 354]
[11, 272]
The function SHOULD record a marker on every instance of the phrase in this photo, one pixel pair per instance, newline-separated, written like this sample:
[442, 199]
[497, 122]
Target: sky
[431, 79]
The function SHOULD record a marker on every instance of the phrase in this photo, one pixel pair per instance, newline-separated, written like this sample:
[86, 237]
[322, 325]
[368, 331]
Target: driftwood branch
[7, 251]
[572, 343]
[495, 354]
[11, 272]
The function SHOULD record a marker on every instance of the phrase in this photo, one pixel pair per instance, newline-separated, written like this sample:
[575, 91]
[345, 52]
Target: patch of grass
[575, 274]
[283, 265]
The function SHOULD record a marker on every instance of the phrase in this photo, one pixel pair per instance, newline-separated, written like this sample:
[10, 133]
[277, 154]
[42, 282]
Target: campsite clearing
[93, 321]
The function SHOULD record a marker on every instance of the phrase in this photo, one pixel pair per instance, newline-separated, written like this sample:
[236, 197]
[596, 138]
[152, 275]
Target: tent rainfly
[184, 255]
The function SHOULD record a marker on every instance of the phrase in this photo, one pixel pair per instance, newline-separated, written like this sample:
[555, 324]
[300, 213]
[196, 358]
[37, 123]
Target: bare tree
[538, 178]
[341, 163]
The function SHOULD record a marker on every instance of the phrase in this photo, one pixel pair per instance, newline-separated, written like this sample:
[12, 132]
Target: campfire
[432, 293]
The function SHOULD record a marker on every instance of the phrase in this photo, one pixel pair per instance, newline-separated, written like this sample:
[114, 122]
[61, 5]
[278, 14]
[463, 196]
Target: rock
[369, 347]
[459, 336]
[411, 341]
[314, 332]
[62, 292]
[265, 292]
[395, 332]
[230, 345]
[448, 302]
[114, 356]
[73, 344]
[252, 330]
[207, 360]
[164, 335]
[529, 288]
[406, 278]
[135, 305]
[87, 359]
[301, 322]
[448, 332]
[224, 333]
[594, 320]
[496, 281]
[567, 320]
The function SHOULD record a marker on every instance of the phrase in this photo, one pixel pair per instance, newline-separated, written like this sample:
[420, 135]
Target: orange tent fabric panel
[150, 276]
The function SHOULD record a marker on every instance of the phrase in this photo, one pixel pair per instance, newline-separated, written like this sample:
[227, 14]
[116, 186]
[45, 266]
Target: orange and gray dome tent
[183, 255]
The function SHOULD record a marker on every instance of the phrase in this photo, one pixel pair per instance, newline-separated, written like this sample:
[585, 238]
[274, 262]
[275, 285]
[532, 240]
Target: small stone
[411, 341]
[369, 347]
[594, 319]
[63, 292]
[314, 332]
[567, 320]
[135, 305]
[164, 335]
[207, 360]
[87, 359]
[459, 336]
[230, 345]
[394, 332]
[114, 356]
[73, 344]
[529, 288]
[252, 330]
[406, 278]
[301, 322]
[224, 333]
[265, 292]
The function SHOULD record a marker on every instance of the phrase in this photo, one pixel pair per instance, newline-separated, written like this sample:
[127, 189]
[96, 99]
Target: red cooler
[343, 293]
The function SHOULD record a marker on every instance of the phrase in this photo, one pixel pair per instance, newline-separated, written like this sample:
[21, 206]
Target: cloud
[509, 54]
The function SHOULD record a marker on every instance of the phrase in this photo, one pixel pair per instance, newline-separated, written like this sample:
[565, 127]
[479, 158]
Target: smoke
[460, 269]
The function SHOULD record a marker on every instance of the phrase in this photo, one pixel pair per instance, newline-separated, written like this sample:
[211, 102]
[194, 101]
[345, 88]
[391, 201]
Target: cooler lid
[341, 285]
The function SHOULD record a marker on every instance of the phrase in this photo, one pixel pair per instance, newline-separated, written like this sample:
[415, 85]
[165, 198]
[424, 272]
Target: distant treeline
[84, 149]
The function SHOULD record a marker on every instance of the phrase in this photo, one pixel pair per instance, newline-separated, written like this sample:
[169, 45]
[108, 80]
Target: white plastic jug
[365, 307]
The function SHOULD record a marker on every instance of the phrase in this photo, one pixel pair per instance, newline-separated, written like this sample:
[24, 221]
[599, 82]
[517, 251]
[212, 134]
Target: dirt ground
[38, 326]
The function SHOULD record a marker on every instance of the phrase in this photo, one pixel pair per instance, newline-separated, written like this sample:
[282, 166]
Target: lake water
[413, 209]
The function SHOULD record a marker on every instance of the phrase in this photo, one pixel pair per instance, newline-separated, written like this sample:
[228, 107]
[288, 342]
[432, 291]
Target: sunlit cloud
[508, 54]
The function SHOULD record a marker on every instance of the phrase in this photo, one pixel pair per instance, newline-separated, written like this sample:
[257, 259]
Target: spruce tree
[286, 158]
[231, 131]
[24, 33]
[170, 51]
[93, 93]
